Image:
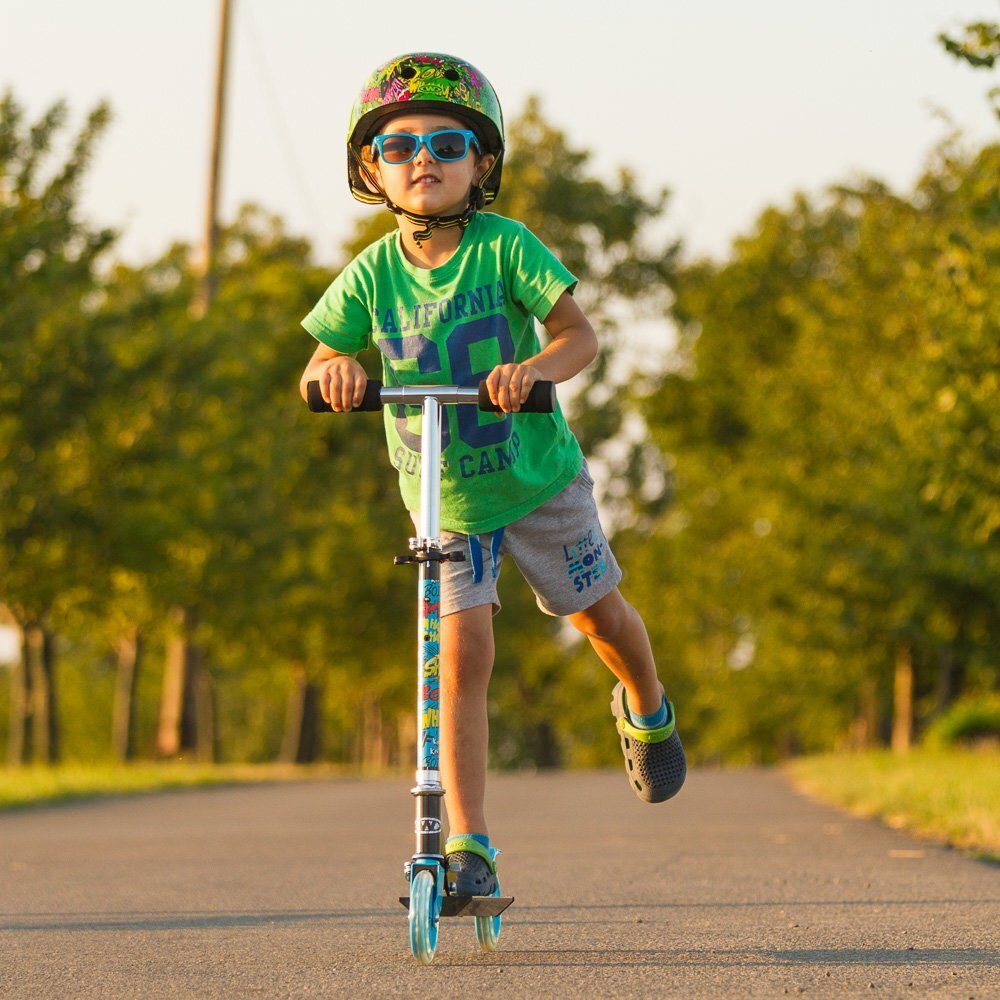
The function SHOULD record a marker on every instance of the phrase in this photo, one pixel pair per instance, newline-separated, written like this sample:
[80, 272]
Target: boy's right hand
[342, 382]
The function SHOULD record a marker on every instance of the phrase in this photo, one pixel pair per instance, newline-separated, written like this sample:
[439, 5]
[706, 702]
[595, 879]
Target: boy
[452, 298]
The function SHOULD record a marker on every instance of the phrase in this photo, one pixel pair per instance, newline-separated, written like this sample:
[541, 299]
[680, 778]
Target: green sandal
[654, 758]
[471, 868]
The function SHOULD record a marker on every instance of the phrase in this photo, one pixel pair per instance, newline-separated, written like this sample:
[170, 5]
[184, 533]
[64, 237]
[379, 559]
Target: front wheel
[488, 928]
[424, 917]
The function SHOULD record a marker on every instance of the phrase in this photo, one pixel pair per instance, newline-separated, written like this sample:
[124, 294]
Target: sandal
[471, 868]
[654, 758]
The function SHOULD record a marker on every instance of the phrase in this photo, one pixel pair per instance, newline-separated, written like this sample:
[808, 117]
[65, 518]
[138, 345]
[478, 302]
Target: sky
[731, 105]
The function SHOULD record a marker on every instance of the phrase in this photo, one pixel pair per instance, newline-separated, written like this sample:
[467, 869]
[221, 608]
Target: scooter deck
[470, 906]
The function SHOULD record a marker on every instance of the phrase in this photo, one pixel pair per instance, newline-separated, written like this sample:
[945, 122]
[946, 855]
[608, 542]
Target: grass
[952, 796]
[29, 786]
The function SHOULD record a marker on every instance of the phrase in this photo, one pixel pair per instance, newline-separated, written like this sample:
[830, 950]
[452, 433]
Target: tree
[214, 484]
[833, 513]
[979, 47]
[51, 361]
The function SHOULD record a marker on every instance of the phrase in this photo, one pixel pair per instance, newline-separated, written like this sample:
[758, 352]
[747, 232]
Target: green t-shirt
[451, 325]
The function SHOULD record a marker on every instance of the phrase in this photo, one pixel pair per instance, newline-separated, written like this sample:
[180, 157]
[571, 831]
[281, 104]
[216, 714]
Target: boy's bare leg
[466, 664]
[618, 635]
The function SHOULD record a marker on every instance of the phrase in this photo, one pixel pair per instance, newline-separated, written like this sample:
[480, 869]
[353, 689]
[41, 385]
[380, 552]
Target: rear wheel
[488, 928]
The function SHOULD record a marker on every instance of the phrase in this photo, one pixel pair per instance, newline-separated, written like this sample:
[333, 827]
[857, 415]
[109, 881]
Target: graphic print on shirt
[472, 349]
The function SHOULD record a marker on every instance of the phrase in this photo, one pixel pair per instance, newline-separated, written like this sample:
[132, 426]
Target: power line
[294, 166]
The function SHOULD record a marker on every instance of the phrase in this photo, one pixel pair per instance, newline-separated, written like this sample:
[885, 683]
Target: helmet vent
[407, 72]
[452, 74]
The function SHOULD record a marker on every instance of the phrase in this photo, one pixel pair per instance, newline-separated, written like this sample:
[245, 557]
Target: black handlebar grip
[541, 399]
[372, 399]
[315, 399]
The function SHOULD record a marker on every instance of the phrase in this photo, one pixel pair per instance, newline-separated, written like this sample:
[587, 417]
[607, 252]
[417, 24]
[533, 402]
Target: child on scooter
[451, 297]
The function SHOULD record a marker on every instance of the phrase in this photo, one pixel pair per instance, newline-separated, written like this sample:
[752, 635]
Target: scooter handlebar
[541, 398]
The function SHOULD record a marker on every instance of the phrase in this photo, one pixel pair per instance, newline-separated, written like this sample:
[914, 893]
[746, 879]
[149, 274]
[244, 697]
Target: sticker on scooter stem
[430, 651]
[427, 825]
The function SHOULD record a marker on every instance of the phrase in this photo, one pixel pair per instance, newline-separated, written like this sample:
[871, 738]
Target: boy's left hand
[509, 385]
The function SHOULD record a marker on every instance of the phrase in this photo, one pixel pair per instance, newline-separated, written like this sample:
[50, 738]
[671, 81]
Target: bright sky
[732, 105]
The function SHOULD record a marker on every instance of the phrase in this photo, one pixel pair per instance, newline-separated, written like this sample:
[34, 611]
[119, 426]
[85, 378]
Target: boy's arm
[572, 346]
[341, 378]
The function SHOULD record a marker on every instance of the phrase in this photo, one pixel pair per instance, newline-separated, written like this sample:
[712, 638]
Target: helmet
[425, 81]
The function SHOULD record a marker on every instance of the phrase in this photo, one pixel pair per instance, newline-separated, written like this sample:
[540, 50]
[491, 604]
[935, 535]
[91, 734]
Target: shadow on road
[186, 921]
[672, 958]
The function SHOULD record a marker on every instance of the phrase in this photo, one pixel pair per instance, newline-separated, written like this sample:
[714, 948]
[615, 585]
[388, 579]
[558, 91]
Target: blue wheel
[424, 916]
[488, 928]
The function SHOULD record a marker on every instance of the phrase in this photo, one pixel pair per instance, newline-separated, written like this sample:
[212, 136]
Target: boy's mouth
[425, 180]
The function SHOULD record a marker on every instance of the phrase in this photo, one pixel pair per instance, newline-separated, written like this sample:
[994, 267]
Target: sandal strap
[650, 735]
[488, 854]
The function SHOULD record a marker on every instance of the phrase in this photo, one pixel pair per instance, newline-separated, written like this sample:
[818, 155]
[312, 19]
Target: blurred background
[786, 222]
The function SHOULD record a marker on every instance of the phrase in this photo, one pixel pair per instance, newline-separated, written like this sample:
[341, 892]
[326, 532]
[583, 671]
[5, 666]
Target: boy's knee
[467, 647]
[605, 619]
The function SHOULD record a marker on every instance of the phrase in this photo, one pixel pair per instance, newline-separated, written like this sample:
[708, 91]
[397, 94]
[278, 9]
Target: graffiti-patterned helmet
[426, 81]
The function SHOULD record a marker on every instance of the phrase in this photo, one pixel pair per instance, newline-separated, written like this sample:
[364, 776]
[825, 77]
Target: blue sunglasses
[447, 145]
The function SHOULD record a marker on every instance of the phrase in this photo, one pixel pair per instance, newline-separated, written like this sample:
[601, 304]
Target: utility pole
[206, 290]
[186, 698]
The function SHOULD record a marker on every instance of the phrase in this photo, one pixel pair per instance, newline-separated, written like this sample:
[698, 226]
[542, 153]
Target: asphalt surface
[738, 887]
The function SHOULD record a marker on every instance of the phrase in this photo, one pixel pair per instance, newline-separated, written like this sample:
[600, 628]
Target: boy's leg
[466, 665]
[618, 635]
[654, 757]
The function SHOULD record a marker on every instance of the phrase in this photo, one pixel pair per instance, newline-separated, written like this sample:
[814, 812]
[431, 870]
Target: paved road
[738, 887]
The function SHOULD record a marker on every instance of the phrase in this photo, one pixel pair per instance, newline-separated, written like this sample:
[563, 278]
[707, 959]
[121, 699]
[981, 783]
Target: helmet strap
[432, 222]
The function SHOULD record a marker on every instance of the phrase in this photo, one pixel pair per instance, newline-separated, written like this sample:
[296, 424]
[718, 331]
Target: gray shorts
[560, 549]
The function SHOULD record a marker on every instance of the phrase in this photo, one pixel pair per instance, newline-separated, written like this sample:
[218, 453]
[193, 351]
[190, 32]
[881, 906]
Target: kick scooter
[429, 899]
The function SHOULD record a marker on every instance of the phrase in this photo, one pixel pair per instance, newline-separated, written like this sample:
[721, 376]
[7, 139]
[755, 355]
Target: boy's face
[425, 185]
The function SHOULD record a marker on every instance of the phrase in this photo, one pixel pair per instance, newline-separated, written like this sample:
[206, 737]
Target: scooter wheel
[424, 917]
[488, 928]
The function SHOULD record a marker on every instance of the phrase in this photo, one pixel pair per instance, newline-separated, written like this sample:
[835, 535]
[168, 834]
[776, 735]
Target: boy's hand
[342, 382]
[509, 385]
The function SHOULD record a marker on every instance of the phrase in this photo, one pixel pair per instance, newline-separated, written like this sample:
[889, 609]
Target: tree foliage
[830, 431]
[979, 47]
[810, 505]
[52, 361]
[197, 480]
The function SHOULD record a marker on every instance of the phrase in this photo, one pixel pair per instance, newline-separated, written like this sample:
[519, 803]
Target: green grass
[38, 785]
[945, 795]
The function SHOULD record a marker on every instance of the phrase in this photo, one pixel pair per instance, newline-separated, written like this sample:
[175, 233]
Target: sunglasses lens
[449, 145]
[398, 148]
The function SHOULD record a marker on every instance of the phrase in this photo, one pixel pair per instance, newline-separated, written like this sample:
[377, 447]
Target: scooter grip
[372, 398]
[541, 399]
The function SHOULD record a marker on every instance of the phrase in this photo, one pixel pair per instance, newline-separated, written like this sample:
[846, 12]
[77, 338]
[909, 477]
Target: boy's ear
[482, 168]
[373, 167]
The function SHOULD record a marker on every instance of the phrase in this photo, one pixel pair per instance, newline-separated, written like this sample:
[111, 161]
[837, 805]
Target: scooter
[429, 899]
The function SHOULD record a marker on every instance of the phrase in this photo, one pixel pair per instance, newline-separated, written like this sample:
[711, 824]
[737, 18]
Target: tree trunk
[168, 733]
[545, 745]
[865, 728]
[45, 711]
[406, 738]
[128, 657]
[20, 738]
[203, 724]
[300, 742]
[186, 702]
[373, 734]
[950, 678]
[902, 701]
